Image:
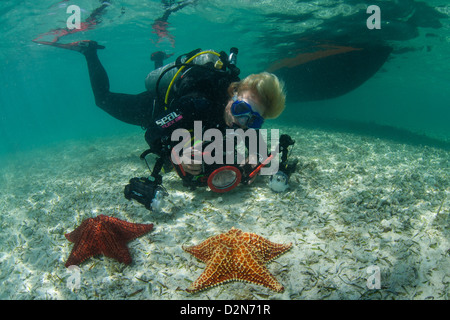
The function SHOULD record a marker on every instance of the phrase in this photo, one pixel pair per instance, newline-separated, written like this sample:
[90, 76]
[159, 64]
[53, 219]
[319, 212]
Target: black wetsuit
[199, 95]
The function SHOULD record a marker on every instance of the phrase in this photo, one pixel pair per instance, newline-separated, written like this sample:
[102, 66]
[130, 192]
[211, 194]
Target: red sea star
[236, 255]
[104, 235]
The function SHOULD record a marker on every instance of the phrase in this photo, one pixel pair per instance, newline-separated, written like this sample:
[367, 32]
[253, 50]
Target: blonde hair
[268, 88]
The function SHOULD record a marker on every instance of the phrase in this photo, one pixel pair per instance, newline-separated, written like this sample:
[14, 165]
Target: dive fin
[80, 46]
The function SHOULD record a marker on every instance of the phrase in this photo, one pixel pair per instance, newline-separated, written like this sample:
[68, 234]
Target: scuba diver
[208, 90]
[199, 87]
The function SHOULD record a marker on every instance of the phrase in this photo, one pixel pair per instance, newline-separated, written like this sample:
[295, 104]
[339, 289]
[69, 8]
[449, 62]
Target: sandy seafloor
[354, 202]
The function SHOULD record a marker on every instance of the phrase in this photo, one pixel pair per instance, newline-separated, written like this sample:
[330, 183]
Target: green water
[45, 95]
[352, 202]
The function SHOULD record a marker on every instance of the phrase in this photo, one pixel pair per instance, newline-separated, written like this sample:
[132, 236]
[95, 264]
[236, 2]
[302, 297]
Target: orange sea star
[236, 255]
[104, 235]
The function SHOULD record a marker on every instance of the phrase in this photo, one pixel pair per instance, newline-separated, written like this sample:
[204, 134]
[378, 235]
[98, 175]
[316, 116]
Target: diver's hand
[188, 162]
[253, 161]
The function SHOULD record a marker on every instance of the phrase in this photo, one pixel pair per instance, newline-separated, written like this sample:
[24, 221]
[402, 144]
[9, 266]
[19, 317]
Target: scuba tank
[152, 78]
[159, 82]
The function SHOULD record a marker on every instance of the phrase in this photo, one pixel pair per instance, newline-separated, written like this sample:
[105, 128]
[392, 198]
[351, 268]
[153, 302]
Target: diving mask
[245, 115]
